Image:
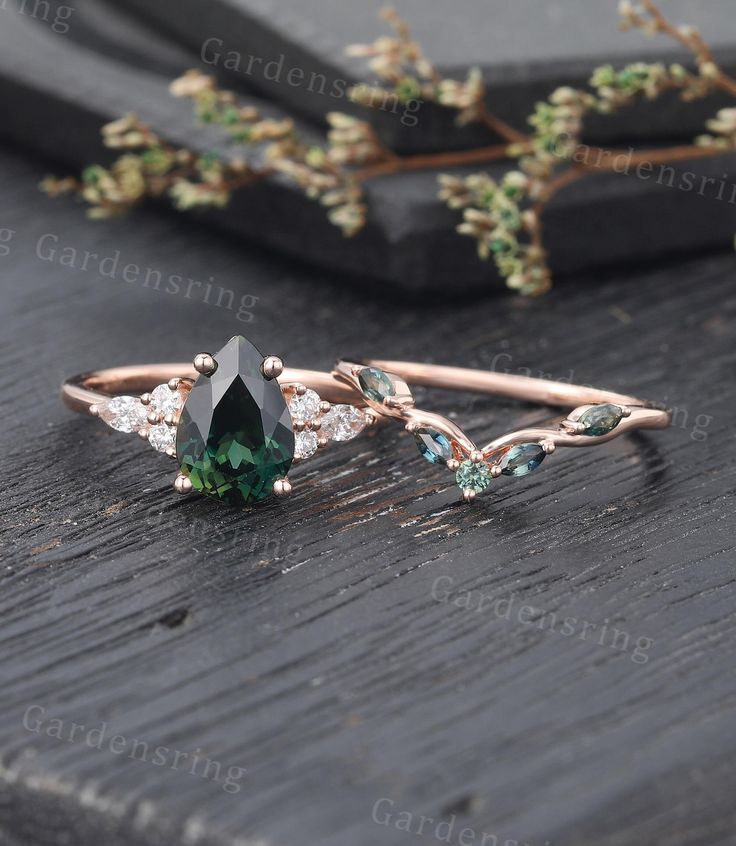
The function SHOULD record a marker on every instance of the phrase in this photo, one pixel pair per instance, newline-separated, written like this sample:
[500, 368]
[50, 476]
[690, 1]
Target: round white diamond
[343, 422]
[126, 414]
[305, 444]
[162, 437]
[166, 401]
[305, 407]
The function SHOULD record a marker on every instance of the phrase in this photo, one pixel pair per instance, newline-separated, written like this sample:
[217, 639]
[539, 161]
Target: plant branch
[500, 127]
[432, 161]
[691, 40]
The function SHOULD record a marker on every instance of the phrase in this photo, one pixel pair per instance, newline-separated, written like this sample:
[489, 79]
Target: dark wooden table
[329, 645]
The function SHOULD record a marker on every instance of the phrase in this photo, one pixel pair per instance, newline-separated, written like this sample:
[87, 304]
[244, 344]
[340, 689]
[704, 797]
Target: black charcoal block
[58, 92]
[294, 52]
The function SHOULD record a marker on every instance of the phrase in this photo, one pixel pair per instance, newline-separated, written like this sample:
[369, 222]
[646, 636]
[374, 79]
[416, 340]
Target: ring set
[237, 421]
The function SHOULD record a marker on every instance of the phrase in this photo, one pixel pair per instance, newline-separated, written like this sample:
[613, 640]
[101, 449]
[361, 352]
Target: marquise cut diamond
[343, 422]
[125, 414]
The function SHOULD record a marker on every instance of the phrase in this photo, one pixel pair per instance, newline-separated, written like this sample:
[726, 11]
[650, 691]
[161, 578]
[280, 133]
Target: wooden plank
[301, 640]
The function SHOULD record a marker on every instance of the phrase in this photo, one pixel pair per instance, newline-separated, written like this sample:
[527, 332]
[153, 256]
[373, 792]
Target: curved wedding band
[595, 416]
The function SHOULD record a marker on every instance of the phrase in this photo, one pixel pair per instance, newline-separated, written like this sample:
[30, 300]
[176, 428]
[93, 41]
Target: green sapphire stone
[473, 477]
[601, 419]
[235, 437]
[375, 384]
[433, 445]
[521, 459]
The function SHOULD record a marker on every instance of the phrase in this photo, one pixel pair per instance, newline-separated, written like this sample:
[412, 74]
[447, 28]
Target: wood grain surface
[336, 646]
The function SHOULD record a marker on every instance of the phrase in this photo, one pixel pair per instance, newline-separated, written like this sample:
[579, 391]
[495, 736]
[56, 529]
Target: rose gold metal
[86, 392]
[81, 392]
[282, 487]
[566, 432]
[182, 485]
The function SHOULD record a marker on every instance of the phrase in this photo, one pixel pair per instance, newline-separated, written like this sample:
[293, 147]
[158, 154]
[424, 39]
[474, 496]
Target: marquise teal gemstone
[235, 436]
[521, 459]
[433, 445]
[375, 384]
[473, 477]
[601, 419]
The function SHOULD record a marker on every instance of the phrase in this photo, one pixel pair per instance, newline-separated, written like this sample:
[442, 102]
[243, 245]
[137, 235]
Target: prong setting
[182, 485]
[272, 367]
[282, 487]
[205, 364]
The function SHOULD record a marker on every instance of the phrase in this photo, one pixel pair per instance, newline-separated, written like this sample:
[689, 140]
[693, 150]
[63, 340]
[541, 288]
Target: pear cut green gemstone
[473, 477]
[235, 436]
[375, 384]
[601, 419]
[433, 445]
[522, 459]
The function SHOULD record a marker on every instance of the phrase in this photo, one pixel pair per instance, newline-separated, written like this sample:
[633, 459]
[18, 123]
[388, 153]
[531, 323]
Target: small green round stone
[375, 384]
[473, 477]
[601, 419]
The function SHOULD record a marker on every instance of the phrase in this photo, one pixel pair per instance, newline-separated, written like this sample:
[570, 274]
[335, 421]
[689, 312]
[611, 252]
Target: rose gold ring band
[595, 416]
[82, 392]
[236, 421]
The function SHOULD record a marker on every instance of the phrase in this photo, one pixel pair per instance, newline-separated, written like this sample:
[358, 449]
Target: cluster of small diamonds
[153, 416]
[316, 422]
